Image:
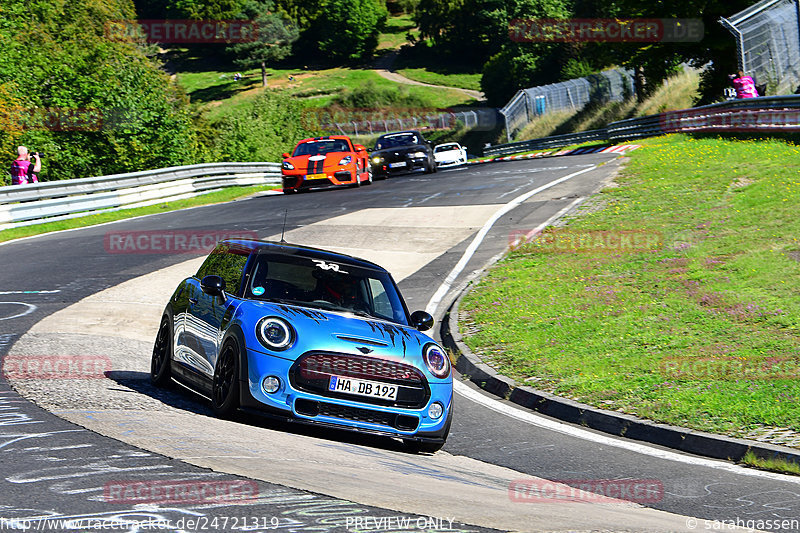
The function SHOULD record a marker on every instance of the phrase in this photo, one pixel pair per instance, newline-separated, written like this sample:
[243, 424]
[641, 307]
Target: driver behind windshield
[338, 289]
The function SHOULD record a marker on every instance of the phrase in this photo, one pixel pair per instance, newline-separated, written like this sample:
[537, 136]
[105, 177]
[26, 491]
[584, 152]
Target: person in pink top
[745, 86]
[21, 171]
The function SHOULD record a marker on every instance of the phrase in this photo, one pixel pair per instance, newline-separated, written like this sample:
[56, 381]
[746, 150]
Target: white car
[450, 155]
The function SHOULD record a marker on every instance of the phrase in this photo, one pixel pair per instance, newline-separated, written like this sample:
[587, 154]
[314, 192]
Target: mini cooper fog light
[436, 410]
[275, 333]
[271, 385]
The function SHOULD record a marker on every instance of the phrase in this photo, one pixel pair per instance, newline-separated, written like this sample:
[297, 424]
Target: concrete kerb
[678, 438]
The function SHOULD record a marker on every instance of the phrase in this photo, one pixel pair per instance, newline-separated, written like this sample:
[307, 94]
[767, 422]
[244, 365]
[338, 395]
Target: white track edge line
[444, 288]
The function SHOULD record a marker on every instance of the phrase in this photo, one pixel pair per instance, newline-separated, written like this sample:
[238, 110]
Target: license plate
[361, 387]
[316, 176]
[397, 165]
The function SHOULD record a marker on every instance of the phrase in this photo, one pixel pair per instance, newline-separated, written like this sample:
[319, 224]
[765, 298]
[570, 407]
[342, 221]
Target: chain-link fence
[609, 86]
[768, 43]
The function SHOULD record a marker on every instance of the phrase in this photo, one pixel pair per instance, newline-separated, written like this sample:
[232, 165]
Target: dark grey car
[401, 151]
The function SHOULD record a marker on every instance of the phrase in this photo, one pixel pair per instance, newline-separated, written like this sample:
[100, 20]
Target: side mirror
[359, 148]
[285, 156]
[422, 320]
[213, 285]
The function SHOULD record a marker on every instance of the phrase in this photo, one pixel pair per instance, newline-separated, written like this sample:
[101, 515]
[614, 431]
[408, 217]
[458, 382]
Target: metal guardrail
[58, 200]
[767, 114]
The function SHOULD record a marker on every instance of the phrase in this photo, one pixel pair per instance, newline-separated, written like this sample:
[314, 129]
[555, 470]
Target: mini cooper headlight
[275, 333]
[436, 360]
[287, 166]
[346, 160]
[418, 154]
[377, 160]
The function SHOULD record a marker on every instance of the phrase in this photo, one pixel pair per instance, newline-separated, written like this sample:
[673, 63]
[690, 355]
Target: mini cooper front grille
[356, 414]
[354, 366]
[313, 371]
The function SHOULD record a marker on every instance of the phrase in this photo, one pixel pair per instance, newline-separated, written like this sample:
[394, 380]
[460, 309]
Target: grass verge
[700, 331]
[773, 465]
[225, 195]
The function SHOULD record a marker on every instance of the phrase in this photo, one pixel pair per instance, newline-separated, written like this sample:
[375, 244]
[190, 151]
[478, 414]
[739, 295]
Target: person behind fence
[23, 170]
[745, 85]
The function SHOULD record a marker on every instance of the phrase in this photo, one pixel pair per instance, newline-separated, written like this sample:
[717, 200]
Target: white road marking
[30, 309]
[30, 292]
[444, 288]
[572, 431]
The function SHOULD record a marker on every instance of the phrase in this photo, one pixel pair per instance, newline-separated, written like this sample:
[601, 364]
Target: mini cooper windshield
[304, 281]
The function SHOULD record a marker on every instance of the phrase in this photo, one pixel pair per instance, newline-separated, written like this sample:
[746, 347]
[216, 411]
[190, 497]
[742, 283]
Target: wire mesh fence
[572, 95]
[768, 43]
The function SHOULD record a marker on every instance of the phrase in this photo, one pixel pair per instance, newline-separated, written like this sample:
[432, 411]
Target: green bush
[271, 125]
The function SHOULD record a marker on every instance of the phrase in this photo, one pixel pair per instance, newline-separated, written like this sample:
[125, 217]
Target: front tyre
[225, 385]
[162, 354]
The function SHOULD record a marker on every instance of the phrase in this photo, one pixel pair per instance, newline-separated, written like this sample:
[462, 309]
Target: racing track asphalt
[76, 264]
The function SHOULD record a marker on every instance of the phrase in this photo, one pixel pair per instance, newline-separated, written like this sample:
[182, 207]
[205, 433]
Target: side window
[380, 300]
[227, 264]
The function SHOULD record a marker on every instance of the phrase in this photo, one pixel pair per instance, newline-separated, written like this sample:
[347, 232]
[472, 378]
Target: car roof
[286, 248]
[325, 138]
[392, 134]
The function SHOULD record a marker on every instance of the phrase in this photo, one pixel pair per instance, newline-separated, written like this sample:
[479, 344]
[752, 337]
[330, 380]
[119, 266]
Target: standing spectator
[745, 85]
[23, 171]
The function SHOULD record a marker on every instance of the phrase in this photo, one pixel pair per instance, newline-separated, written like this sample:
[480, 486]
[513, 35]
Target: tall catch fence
[768, 43]
[572, 95]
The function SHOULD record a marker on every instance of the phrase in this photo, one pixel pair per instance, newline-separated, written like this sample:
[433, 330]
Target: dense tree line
[91, 104]
[97, 106]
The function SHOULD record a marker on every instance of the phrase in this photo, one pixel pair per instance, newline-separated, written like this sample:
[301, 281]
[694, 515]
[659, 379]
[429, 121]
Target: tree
[205, 9]
[111, 102]
[344, 30]
[276, 33]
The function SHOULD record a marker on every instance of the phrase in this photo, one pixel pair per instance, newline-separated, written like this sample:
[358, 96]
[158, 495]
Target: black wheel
[289, 191]
[162, 354]
[225, 386]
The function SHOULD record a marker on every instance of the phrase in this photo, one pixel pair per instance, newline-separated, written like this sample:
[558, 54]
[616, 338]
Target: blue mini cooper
[306, 335]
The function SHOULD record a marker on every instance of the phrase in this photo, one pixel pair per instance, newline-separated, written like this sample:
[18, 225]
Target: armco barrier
[765, 114]
[57, 200]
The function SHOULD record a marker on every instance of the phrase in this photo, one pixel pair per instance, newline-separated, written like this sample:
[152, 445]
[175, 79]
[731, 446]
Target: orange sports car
[325, 162]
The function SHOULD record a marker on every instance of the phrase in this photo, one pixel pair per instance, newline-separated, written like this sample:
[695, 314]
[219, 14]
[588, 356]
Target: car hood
[330, 156]
[402, 149]
[318, 329]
